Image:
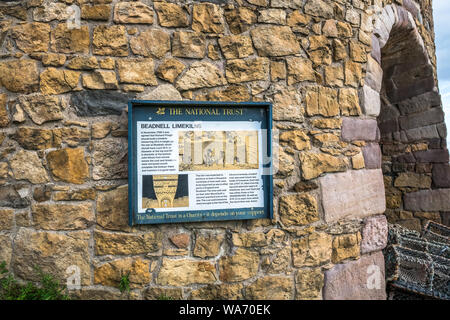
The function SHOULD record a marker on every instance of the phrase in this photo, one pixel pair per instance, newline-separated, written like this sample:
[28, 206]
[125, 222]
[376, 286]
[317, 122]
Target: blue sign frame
[143, 110]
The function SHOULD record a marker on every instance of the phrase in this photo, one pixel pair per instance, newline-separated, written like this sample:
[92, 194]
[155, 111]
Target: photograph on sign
[199, 162]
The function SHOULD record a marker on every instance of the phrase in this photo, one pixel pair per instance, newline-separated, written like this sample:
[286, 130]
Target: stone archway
[405, 155]
[401, 91]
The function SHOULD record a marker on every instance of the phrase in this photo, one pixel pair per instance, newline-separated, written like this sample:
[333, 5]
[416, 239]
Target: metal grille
[418, 266]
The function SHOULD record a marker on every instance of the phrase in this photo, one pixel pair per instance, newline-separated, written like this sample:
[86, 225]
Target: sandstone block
[112, 209]
[201, 75]
[299, 70]
[35, 138]
[6, 219]
[62, 216]
[9, 197]
[110, 273]
[319, 8]
[99, 12]
[51, 11]
[72, 136]
[170, 69]
[56, 81]
[138, 71]
[297, 20]
[277, 70]
[110, 159]
[334, 75]
[185, 272]
[171, 15]
[346, 246]
[298, 210]
[208, 245]
[53, 253]
[53, 59]
[240, 266]
[353, 73]
[4, 114]
[349, 102]
[287, 104]
[74, 195]
[240, 19]
[352, 194]
[151, 43]
[31, 37]
[314, 164]
[100, 80]
[297, 139]
[420, 103]
[293, 4]
[431, 116]
[68, 165]
[82, 63]
[26, 165]
[252, 69]
[322, 101]
[218, 292]
[414, 180]
[271, 288]
[133, 12]
[311, 250]
[66, 40]
[236, 46]
[309, 283]
[26, 81]
[208, 18]
[110, 41]
[127, 244]
[274, 41]
[163, 92]
[188, 44]
[5, 249]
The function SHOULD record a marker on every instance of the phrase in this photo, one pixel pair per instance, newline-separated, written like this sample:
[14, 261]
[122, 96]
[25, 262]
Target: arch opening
[413, 152]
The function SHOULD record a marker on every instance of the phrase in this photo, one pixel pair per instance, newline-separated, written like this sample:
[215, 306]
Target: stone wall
[63, 137]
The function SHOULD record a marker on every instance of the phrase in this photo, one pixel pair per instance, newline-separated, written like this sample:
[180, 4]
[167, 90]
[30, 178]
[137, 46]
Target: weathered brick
[358, 129]
[352, 194]
[433, 155]
[372, 156]
[428, 200]
[441, 175]
[356, 280]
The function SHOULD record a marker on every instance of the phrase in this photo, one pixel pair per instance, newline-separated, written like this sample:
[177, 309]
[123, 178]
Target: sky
[441, 12]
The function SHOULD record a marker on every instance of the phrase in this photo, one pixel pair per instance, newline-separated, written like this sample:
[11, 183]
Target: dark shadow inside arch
[415, 160]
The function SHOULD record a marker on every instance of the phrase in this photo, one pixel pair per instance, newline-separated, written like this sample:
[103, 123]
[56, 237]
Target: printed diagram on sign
[218, 150]
[165, 191]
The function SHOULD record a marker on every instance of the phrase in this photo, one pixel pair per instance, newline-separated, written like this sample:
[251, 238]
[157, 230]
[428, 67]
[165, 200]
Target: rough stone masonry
[362, 138]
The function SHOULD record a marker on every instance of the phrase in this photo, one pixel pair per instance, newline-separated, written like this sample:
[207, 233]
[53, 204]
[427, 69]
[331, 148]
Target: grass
[124, 284]
[48, 288]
